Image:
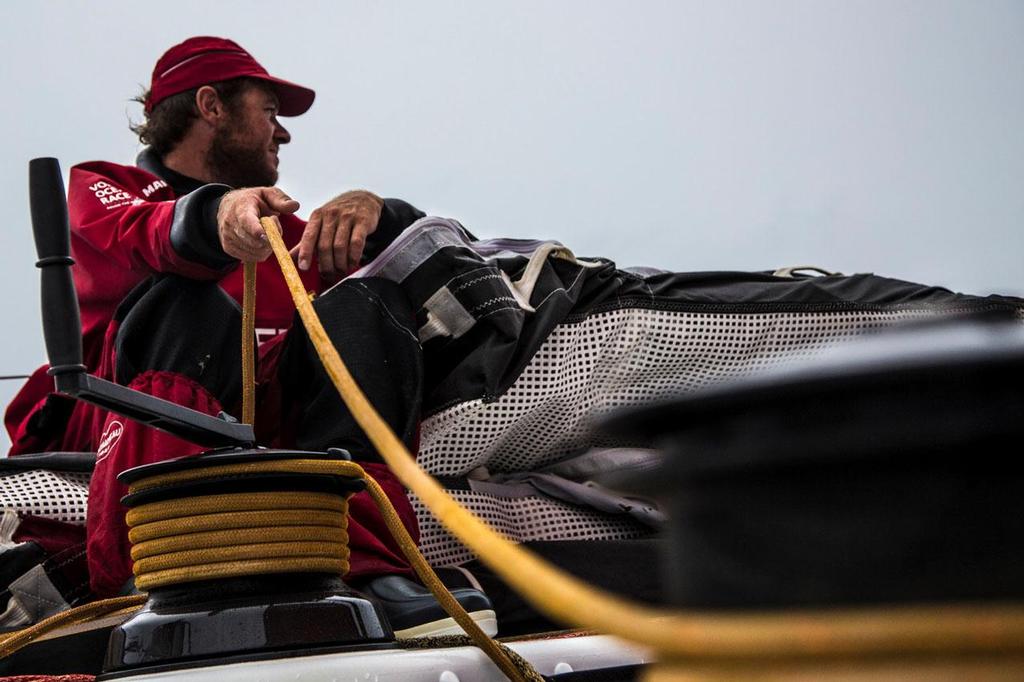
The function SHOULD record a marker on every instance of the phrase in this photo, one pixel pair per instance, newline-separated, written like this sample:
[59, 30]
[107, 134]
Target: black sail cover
[486, 306]
[526, 346]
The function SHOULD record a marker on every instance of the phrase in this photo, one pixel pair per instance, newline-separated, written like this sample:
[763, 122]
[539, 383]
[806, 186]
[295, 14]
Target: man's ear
[210, 106]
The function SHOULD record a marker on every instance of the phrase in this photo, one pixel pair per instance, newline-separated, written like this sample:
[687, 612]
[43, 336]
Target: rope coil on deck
[206, 537]
[238, 534]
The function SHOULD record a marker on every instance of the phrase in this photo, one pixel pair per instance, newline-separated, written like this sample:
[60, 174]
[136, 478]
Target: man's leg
[176, 339]
[372, 325]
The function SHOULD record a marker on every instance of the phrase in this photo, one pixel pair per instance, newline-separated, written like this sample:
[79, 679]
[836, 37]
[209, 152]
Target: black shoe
[413, 612]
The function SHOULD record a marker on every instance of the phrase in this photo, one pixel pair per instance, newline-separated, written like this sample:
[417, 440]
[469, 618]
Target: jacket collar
[149, 160]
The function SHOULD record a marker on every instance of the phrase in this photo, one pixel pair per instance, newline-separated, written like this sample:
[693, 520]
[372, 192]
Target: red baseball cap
[204, 59]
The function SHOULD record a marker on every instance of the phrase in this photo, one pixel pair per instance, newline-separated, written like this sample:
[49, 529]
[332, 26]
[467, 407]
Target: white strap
[793, 269]
[8, 525]
[522, 288]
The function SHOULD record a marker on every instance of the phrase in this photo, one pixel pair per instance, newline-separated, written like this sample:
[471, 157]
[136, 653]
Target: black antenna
[62, 328]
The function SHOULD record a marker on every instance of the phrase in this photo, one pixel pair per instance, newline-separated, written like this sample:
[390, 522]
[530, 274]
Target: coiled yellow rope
[238, 534]
[248, 544]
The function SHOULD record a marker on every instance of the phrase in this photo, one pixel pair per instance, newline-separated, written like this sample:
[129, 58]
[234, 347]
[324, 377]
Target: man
[157, 249]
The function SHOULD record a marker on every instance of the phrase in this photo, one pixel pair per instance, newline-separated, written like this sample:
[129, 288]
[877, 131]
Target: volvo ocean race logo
[110, 437]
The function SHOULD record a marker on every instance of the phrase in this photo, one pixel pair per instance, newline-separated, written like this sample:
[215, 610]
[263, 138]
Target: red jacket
[121, 218]
[128, 222]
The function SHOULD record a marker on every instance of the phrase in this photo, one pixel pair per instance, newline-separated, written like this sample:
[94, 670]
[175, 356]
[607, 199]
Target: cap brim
[292, 98]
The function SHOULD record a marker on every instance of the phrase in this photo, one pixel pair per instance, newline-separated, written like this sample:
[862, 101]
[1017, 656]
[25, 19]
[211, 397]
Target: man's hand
[337, 232]
[238, 220]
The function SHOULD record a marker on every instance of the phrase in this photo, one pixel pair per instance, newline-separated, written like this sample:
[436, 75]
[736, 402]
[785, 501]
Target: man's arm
[157, 233]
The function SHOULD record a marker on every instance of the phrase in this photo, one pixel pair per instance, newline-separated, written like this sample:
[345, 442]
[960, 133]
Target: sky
[859, 136]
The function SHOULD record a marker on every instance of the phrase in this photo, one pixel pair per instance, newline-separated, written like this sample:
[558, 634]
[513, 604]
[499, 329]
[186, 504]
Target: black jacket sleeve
[194, 228]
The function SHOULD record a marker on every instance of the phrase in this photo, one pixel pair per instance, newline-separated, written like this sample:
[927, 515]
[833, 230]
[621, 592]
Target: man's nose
[281, 134]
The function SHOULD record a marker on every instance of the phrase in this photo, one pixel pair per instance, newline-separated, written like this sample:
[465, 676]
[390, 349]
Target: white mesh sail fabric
[583, 370]
[61, 496]
[520, 519]
[623, 357]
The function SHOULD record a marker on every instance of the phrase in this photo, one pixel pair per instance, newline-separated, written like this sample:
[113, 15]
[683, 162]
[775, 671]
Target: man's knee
[372, 326]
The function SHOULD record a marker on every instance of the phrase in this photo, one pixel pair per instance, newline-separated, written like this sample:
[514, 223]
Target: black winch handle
[62, 328]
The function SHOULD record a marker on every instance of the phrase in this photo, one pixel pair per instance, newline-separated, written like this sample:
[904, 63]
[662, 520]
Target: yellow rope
[248, 338]
[240, 536]
[925, 630]
[233, 502]
[292, 466]
[235, 520]
[93, 610]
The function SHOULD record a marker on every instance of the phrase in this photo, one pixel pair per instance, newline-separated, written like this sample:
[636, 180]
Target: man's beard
[235, 163]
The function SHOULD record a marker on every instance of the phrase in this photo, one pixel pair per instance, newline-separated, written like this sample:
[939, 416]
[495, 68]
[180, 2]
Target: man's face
[244, 148]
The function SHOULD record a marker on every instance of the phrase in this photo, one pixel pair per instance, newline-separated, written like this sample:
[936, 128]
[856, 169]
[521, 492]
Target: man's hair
[167, 124]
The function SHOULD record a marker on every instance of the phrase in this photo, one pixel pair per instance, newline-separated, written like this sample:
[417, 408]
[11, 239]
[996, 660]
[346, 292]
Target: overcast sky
[859, 136]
